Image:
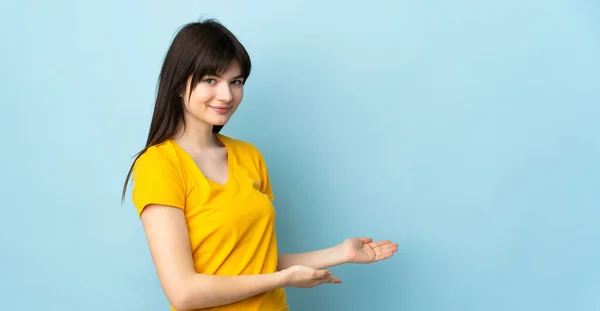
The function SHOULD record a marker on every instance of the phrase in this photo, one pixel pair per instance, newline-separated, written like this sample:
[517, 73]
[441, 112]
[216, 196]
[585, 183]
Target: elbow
[179, 305]
[180, 300]
[184, 297]
[179, 297]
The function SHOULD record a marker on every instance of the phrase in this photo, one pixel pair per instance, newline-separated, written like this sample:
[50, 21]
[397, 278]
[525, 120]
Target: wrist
[341, 254]
[281, 278]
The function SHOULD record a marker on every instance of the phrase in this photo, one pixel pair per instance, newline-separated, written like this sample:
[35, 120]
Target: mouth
[220, 110]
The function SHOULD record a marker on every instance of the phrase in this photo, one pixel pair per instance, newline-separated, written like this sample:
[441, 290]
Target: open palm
[364, 250]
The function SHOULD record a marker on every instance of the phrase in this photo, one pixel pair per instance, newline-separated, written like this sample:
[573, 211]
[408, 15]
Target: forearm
[319, 259]
[203, 291]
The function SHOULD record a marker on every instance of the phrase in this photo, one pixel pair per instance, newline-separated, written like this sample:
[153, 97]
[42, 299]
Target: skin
[212, 102]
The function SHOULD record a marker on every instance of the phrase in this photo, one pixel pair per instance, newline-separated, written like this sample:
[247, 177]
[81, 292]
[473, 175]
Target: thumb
[366, 240]
[323, 273]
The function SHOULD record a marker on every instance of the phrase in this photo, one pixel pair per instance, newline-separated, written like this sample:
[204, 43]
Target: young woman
[205, 200]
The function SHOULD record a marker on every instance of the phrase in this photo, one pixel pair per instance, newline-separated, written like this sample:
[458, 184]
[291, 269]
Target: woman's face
[215, 98]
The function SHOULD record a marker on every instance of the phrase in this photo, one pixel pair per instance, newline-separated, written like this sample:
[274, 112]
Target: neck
[196, 137]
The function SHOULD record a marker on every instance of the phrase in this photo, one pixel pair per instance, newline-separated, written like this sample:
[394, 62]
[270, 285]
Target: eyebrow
[236, 77]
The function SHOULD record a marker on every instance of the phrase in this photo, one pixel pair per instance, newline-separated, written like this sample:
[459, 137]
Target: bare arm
[167, 235]
[319, 259]
[352, 250]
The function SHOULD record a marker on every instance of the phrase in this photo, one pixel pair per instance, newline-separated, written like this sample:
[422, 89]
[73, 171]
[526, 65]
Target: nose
[224, 92]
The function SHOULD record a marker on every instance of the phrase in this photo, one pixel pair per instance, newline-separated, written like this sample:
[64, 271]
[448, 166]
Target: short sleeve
[266, 182]
[157, 179]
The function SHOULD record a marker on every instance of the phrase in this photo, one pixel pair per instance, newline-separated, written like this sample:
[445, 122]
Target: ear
[185, 87]
[181, 92]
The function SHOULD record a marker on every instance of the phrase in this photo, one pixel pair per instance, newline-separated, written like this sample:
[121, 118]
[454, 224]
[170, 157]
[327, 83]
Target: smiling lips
[220, 110]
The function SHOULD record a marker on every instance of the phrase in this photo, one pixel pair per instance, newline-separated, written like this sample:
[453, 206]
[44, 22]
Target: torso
[213, 164]
[230, 216]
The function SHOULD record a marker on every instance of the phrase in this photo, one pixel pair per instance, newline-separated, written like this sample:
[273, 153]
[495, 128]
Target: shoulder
[158, 178]
[157, 157]
[241, 147]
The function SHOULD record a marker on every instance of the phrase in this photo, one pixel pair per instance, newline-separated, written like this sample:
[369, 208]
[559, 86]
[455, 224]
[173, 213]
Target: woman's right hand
[306, 277]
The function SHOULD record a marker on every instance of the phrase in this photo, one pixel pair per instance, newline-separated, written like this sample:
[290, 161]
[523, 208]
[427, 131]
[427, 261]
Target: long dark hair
[198, 49]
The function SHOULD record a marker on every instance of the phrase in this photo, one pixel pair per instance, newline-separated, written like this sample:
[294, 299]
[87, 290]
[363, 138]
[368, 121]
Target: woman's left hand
[364, 250]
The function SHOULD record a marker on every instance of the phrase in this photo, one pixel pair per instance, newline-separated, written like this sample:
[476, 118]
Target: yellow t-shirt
[231, 226]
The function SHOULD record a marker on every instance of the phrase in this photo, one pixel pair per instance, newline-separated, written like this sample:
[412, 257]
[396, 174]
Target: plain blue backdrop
[467, 131]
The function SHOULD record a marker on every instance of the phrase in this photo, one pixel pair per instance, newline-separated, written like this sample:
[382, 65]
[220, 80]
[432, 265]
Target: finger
[389, 247]
[385, 252]
[335, 280]
[331, 279]
[381, 243]
[320, 274]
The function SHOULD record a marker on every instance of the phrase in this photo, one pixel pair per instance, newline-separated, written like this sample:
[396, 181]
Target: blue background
[467, 131]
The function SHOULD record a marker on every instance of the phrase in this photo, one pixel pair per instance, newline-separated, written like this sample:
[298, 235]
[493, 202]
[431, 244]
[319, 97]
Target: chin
[219, 121]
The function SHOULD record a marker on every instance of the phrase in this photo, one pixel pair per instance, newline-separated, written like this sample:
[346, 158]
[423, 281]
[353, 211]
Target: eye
[209, 81]
[237, 82]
